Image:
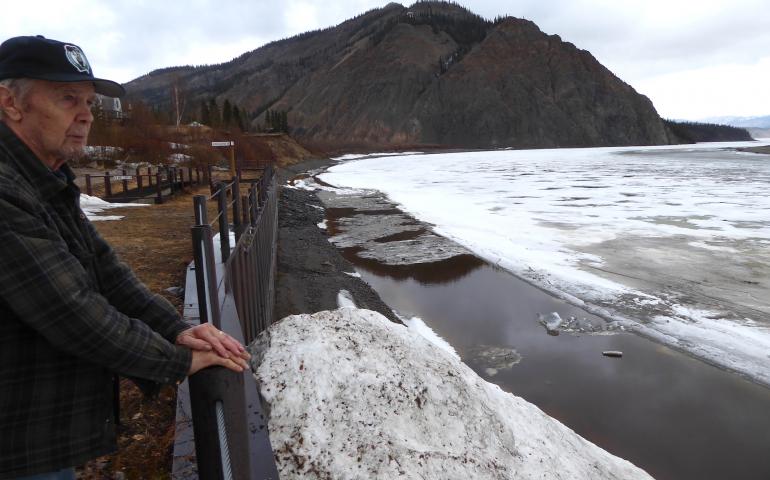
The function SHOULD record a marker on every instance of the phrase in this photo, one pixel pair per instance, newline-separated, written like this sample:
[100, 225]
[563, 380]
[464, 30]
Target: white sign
[223, 144]
[122, 177]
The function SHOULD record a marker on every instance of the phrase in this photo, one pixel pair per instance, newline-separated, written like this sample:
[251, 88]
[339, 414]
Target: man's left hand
[206, 337]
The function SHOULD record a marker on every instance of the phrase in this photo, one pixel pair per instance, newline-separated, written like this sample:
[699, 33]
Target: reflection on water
[676, 417]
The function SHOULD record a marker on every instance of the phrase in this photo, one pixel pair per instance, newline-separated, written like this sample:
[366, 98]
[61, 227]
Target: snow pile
[353, 395]
[91, 206]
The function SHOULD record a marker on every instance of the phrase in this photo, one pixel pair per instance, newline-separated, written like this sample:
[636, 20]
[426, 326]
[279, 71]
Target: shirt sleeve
[47, 288]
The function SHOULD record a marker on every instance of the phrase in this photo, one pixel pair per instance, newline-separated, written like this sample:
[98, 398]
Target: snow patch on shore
[345, 300]
[92, 206]
[353, 395]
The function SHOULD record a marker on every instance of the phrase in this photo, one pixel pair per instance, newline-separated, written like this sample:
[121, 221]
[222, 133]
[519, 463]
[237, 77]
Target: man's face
[55, 120]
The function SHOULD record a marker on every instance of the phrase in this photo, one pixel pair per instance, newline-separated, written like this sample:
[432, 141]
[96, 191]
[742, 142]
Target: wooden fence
[233, 288]
[160, 183]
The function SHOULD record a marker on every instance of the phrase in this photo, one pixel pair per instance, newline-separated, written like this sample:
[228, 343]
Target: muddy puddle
[676, 417]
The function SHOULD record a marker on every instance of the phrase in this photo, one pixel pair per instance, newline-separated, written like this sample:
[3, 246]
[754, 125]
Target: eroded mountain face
[430, 74]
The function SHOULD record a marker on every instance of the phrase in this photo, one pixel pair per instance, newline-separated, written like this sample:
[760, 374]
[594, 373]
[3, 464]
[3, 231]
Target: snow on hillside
[353, 395]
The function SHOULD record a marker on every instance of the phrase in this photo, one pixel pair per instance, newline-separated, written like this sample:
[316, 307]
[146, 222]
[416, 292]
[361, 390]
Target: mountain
[430, 74]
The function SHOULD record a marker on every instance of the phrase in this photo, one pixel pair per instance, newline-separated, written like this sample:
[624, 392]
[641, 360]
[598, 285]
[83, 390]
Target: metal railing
[235, 292]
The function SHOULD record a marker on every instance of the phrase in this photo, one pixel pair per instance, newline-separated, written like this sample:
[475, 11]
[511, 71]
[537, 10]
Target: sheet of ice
[92, 206]
[353, 395]
[566, 219]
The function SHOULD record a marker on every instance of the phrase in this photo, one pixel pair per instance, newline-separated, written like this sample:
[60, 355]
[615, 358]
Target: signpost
[230, 144]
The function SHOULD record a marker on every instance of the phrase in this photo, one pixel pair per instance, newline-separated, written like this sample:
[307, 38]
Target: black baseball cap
[45, 59]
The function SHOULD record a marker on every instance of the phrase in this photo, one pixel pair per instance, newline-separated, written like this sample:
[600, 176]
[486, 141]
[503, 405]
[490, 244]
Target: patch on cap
[77, 58]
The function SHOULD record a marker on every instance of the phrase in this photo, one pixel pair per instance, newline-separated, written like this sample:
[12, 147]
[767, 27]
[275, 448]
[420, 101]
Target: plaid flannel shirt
[71, 317]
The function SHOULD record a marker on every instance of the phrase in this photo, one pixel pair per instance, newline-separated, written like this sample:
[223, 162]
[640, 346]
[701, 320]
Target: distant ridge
[430, 74]
[693, 132]
[743, 122]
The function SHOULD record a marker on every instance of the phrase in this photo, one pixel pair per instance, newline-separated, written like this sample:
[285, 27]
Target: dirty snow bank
[353, 395]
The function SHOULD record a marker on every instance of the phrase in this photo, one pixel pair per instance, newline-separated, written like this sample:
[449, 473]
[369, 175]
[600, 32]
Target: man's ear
[9, 105]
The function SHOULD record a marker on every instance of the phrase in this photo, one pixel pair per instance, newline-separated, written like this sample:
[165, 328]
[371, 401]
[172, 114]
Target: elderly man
[72, 316]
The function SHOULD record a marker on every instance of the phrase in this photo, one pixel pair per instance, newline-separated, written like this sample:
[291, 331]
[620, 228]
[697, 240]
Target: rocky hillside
[430, 74]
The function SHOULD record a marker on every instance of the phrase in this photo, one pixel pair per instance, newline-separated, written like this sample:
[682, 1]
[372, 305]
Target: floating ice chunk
[551, 321]
[494, 358]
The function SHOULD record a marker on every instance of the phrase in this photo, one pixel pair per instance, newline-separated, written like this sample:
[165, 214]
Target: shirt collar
[47, 182]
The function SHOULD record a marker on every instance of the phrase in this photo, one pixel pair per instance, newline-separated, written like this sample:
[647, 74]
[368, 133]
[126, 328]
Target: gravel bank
[311, 271]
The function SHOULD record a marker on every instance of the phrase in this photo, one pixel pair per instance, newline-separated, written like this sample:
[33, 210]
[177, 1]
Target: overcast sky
[693, 58]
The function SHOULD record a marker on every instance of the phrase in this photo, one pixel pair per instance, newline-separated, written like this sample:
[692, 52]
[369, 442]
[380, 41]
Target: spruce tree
[216, 118]
[227, 114]
[205, 113]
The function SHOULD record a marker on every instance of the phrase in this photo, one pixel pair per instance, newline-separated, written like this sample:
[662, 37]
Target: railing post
[245, 211]
[205, 275]
[224, 222]
[170, 178]
[201, 214]
[237, 225]
[158, 188]
[138, 181]
[149, 176]
[197, 175]
[89, 190]
[205, 268]
[189, 177]
[107, 185]
[253, 204]
[125, 183]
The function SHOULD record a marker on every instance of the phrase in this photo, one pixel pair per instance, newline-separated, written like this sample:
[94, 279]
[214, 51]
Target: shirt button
[82, 216]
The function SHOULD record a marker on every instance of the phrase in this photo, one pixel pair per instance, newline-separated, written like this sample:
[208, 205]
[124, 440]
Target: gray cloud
[640, 40]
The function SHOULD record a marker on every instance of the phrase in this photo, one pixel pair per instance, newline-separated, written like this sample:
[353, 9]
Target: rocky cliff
[430, 74]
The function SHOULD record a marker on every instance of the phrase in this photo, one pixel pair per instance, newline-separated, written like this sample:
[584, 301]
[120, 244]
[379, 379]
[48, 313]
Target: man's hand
[202, 359]
[205, 338]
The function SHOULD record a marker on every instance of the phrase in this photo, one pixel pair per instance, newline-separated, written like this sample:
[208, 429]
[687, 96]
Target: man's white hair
[19, 87]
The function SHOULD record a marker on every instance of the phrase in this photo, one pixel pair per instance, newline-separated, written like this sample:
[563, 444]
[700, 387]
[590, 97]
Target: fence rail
[162, 183]
[233, 288]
